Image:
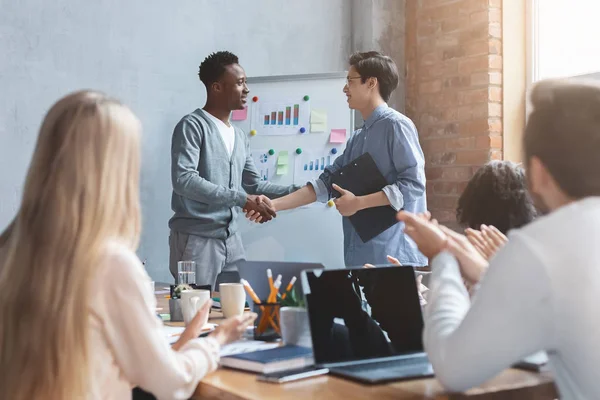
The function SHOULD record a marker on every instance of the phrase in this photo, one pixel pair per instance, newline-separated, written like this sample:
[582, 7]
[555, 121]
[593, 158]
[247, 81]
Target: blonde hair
[82, 189]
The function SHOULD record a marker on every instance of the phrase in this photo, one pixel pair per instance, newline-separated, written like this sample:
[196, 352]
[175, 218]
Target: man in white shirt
[214, 176]
[540, 290]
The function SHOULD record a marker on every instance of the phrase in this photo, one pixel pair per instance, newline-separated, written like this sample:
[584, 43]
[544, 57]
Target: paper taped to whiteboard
[310, 165]
[280, 116]
[265, 164]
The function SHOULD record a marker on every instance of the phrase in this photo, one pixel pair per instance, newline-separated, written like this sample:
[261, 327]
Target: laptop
[255, 272]
[366, 323]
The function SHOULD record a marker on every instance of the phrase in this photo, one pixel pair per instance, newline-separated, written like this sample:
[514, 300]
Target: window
[564, 38]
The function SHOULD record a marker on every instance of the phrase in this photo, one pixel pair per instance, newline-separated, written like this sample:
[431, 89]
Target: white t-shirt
[539, 293]
[127, 344]
[227, 132]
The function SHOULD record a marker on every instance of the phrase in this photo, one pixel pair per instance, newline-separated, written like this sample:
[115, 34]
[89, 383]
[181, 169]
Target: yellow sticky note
[282, 159]
[318, 116]
[319, 127]
[282, 169]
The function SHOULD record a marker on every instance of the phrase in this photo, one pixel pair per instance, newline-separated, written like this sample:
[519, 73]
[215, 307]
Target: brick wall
[454, 91]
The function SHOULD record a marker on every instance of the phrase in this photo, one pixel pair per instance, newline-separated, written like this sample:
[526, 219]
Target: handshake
[259, 209]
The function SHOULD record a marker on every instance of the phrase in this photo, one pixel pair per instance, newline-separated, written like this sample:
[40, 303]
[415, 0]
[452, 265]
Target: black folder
[361, 177]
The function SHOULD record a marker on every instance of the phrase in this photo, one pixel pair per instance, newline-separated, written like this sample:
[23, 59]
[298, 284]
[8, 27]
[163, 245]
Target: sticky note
[318, 116]
[337, 136]
[282, 169]
[282, 159]
[239, 115]
[318, 128]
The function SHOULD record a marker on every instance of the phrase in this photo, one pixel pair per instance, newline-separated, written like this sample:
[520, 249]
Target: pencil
[289, 287]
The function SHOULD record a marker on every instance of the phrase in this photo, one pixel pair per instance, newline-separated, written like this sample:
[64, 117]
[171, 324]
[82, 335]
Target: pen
[289, 287]
[267, 317]
[273, 295]
[250, 291]
[255, 298]
[270, 278]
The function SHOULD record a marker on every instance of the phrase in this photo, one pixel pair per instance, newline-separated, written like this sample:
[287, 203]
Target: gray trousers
[212, 256]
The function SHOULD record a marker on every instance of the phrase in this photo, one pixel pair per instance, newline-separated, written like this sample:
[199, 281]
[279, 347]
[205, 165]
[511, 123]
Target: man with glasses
[392, 140]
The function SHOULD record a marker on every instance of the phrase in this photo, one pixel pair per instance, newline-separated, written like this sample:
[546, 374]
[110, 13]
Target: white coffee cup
[233, 299]
[191, 302]
[295, 328]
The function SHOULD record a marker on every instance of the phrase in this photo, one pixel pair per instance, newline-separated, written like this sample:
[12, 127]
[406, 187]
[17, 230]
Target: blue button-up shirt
[392, 140]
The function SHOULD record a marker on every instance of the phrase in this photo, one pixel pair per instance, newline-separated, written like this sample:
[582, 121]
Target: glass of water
[186, 272]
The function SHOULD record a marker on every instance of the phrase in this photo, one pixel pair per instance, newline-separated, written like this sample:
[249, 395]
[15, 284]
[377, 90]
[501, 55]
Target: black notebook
[361, 177]
[269, 361]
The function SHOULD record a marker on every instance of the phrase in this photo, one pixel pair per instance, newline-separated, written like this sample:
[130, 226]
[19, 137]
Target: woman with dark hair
[496, 195]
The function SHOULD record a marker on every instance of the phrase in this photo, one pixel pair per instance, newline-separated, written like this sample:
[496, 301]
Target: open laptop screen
[359, 314]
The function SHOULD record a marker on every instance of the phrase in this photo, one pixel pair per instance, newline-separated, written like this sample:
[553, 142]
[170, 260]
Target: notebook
[268, 361]
[362, 177]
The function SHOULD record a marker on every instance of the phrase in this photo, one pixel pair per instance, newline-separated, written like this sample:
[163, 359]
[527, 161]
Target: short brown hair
[373, 64]
[563, 131]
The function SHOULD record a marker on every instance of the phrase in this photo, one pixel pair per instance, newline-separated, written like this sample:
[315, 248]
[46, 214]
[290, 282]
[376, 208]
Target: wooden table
[235, 385]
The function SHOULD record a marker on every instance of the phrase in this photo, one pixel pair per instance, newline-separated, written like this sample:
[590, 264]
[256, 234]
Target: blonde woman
[77, 316]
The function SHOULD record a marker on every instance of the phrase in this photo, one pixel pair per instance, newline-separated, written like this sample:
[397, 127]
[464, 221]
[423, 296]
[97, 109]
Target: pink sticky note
[239, 115]
[337, 136]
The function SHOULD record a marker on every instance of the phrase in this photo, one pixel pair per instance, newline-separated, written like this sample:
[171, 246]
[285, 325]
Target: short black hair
[496, 195]
[213, 66]
[373, 64]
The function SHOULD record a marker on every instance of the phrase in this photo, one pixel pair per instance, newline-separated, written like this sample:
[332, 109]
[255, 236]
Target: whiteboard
[312, 233]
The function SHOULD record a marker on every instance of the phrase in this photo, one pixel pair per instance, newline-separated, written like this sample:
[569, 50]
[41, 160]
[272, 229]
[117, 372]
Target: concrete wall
[146, 53]
[379, 25]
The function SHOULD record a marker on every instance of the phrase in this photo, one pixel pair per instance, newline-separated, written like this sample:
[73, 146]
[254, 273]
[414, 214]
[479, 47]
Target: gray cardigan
[209, 187]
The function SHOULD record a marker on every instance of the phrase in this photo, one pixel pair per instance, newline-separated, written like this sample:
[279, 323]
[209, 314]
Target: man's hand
[427, 235]
[487, 241]
[348, 204]
[259, 209]
[432, 238]
[391, 260]
[472, 264]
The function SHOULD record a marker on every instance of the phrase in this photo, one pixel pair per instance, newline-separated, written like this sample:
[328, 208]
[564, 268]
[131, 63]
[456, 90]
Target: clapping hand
[259, 209]
[432, 238]
[487, 241]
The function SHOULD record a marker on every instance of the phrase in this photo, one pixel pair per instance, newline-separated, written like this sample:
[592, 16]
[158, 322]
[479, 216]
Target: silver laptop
[255, 272]
[366, 323]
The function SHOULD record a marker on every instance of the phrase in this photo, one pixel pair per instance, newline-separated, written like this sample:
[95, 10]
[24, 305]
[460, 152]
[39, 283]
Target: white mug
[233, 298]
[191, 302]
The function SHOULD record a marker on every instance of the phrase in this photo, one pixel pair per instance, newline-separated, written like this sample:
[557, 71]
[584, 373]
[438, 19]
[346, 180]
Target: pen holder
[266, 326]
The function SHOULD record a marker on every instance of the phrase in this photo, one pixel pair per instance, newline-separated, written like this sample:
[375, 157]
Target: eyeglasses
[349, 78]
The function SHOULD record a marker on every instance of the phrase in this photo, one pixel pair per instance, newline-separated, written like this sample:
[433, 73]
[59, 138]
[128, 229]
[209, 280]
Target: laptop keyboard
[389, 369]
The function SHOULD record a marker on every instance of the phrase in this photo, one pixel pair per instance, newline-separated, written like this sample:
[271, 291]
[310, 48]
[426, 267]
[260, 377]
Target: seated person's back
[539, 292]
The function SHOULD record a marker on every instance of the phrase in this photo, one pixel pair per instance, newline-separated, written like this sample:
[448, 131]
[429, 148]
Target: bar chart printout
[310, 165]
[285, 117]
